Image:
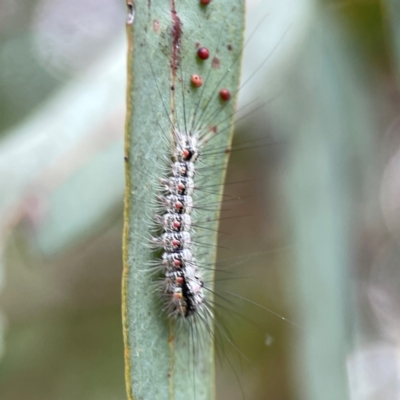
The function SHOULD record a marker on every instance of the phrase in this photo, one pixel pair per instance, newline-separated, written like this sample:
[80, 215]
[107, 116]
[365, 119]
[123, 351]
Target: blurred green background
[62, 109]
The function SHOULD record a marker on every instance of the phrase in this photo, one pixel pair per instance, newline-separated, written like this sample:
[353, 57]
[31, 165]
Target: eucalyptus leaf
[66, 159]
[164, 361]
[60, 169]
[328, 131]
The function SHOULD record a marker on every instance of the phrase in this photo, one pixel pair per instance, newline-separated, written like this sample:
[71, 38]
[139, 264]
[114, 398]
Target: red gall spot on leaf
[203, 53]
[224, 94]
[196, 80]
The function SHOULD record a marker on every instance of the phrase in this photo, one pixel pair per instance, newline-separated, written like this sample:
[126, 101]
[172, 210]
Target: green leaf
[162, 361]
[329, 132]
[63, 158]
[55, 165]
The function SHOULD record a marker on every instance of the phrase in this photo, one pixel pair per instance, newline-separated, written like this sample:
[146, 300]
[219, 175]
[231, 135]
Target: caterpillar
[182, 287]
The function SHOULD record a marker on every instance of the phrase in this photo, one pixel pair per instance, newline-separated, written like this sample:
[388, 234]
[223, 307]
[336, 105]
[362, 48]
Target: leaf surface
[163, 360]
